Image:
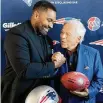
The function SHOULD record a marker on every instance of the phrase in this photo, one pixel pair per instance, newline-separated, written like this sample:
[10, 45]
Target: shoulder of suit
[89, 49]
[20, 30]
[20, 27]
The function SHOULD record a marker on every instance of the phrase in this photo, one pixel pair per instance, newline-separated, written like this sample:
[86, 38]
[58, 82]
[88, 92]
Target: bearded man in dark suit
[28, 51]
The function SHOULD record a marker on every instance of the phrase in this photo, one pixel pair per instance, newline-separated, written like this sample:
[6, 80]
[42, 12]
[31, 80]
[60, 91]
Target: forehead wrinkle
[71, 28]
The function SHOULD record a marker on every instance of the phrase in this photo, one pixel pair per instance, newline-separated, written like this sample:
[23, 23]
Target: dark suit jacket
[26, 67]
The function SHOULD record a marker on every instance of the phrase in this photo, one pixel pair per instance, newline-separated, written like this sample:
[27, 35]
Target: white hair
[79, 28]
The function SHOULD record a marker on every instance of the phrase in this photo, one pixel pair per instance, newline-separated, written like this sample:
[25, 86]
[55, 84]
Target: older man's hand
[81, 93]
[58, 59]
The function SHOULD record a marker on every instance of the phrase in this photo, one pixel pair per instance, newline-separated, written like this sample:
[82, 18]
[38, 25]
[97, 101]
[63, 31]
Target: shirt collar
[75, 52]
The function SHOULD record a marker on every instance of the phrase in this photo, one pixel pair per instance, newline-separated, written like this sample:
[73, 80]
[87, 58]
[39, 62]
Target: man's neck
[71, 51]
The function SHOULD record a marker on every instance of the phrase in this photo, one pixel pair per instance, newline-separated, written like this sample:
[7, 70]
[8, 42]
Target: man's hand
[81, 93]
[58, 59]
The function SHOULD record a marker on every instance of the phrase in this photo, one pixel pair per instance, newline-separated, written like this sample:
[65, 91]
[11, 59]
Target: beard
[42, 30]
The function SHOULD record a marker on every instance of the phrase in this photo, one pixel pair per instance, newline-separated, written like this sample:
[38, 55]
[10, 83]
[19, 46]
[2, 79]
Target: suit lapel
[82, 60]
[49, 45]
[35, 40]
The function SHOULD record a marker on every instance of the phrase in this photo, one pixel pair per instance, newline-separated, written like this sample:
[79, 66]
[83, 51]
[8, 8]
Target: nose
[51, 25]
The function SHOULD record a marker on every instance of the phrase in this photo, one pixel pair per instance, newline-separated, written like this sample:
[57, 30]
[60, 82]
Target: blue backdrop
[90, 12]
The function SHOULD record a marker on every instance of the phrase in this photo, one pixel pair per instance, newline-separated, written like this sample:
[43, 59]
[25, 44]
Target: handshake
[58, 59]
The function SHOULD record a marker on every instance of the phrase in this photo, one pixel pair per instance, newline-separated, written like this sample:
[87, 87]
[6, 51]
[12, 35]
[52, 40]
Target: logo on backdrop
[98, 42]
[55, 42]
[63, 20]
[28, 2]
[101, 90]
[94, 23]
[64, 1]
[9, 25]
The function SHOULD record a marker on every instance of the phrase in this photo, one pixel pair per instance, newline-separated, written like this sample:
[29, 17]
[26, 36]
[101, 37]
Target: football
[75, 81]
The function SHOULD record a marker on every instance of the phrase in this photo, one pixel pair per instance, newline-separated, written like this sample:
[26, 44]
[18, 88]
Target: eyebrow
[65, 32]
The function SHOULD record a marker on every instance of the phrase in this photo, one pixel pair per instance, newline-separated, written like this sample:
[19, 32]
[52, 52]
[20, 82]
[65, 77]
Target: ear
[36, 14]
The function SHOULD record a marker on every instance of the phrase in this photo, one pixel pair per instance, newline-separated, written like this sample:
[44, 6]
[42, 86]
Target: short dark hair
[43, 5]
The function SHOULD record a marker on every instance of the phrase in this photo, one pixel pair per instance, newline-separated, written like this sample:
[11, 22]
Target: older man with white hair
[80, 58]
